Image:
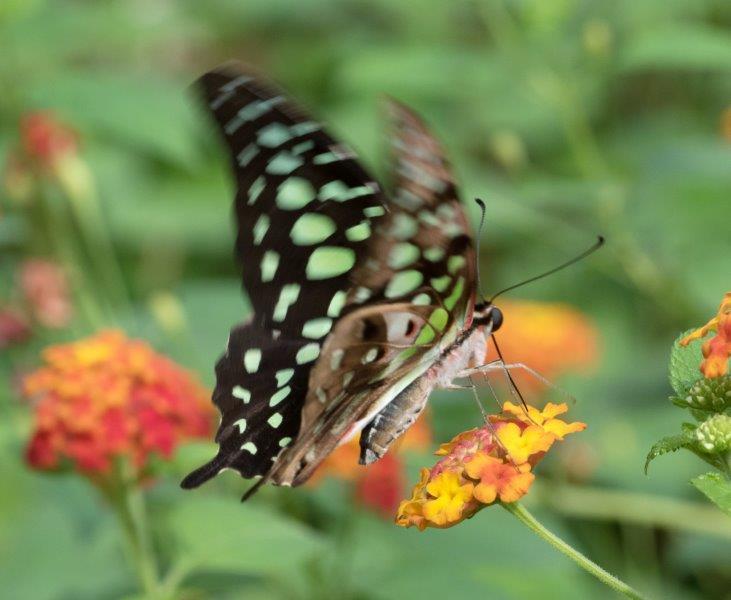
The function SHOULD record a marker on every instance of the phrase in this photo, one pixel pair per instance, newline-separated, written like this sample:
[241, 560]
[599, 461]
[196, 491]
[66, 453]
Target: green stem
[650, 510]
[129, 504]
[519, 512]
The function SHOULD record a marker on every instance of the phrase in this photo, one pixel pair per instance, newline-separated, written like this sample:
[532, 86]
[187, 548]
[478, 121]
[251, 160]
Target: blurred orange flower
[717, 350]
[380, 485]
[46, 292]
[482, 466]
[726, 124]
[550, 338]
[108, 397]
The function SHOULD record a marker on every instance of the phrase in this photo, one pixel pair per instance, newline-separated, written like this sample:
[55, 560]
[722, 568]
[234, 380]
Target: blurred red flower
[45, 138]
[14, 327]
[380, 485]
[551, 338]
[108, 397]
[46, 292]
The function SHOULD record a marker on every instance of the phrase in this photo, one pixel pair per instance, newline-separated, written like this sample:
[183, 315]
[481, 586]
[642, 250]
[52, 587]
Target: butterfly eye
[496, 318]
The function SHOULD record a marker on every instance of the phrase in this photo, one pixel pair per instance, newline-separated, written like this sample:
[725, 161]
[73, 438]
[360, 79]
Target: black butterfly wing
[304, 211]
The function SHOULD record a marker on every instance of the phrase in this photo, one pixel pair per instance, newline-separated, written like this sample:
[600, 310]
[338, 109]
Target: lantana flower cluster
[108, 397]
[486, 465]
[716, 350]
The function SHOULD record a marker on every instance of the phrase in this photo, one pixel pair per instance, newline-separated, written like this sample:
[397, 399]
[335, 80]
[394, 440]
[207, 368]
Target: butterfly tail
[204, 473]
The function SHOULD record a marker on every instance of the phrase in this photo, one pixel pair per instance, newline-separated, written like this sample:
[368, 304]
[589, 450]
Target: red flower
[14, 328]
[45, 139]
[46, 292]
[108, 397]
[380, 485]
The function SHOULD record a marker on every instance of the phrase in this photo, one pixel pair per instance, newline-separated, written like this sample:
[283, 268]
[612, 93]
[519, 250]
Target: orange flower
[716, 351]
[498, 480]
[107, 397]
[550, 338]
[484, 465]
[726, 124]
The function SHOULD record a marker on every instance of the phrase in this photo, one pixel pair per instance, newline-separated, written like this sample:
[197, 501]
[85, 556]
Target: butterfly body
[363, 302]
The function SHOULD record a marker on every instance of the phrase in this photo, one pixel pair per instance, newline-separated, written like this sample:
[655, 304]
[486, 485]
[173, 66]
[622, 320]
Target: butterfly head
[487, 315]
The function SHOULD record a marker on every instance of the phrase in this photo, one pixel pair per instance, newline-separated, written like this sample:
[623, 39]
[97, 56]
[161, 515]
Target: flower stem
[519, 512]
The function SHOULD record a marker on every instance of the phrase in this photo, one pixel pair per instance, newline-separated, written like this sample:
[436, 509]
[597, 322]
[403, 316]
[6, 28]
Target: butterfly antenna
[598, 244]
[481, 204]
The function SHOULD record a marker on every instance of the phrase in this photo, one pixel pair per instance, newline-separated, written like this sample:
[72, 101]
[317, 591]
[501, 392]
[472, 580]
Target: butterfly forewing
[305, 210]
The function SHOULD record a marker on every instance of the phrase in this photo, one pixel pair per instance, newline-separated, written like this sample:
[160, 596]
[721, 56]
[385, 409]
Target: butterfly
[363, 301]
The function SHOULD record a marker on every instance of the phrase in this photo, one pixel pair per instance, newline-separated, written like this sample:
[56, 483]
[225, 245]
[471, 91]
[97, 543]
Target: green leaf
[684, 365]
[696, 47]
[671, 443]
[717, 489]
[225, 535]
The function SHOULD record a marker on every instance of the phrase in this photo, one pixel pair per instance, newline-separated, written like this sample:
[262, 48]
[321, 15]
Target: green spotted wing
[304, 209]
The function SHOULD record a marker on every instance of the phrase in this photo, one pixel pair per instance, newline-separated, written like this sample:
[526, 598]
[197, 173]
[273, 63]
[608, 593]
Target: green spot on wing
[273, 135]
[329, 261]
[359, 232]
[336, 304]
[308, 353]
[402, 255]
[295, 193]
[249, 447]
[402, 283]
[279, 395]
[317, 328]
[256, 189]
[275, 420]
[283, 163]
[241, 393]
[312, 228]
[440, 283]
[252, 358]
[260, 228]
[451, 300]
[269, 264]
[283, 376]
[287, 297]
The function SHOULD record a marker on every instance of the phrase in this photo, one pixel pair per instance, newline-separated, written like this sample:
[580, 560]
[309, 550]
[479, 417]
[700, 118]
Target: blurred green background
[568, 117]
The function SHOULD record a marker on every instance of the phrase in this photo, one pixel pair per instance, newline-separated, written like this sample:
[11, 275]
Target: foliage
[568, 117]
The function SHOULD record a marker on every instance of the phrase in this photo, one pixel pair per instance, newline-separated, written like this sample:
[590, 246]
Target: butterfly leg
[499, 365]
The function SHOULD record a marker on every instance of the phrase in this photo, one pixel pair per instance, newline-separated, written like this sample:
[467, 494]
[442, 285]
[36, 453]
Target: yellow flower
[521, 444]
[450, 497]
[546, 418]
[498, 480]
[410, 512]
